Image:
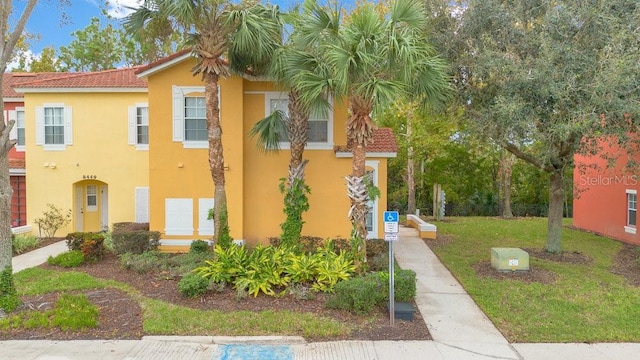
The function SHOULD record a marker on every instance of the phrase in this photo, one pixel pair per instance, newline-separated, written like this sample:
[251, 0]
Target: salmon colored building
[131, 145]
[605, 199]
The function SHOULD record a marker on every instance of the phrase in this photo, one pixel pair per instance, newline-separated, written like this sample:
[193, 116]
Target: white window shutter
[132, 125]
[142, 204]
[178, 217]
[12, 115]
[39, 125]
[178, 114]
[205, 226]
[68, 125]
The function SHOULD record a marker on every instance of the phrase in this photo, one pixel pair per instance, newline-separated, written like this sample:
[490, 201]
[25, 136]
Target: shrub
[75, 239]
[180, 265]
[108, 242]
[137, 241]
[8, 295]
[360, 295]
[52, 220]
[93, 248]
[23, 243]
[130, 226]
[404, 285]
[91, 244]
[199, 246]
[142, 263]
[72, 258]
[193, 285]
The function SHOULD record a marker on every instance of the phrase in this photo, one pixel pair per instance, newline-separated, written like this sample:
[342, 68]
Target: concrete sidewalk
[460, 330]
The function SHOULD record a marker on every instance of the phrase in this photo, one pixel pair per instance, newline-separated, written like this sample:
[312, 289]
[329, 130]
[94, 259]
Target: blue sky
[55, 23]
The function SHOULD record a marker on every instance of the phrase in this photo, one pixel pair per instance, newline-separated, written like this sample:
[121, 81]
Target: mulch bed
[121, 316]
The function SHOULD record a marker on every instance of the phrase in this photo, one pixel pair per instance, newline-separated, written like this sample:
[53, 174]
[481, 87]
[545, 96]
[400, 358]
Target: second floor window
[195, 119]
[54, 126]
[142, 125]
[320, 125]
[20, 127]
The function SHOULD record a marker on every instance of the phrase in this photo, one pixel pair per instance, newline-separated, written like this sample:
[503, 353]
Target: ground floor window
[632, 203]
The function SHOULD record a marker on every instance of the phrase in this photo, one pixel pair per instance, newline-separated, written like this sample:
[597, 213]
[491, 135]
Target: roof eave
[82, 90]
[348, 154]
[164, 65]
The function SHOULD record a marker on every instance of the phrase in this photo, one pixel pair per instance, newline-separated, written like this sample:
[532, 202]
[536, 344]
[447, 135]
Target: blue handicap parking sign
[391, 216]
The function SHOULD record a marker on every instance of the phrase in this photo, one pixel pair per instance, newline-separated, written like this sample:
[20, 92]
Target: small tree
[52, 220]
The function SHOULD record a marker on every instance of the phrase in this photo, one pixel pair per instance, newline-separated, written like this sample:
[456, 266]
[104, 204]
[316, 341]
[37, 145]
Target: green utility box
[509, 259]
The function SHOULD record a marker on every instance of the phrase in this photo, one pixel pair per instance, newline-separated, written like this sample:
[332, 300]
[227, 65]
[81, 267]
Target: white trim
[630, 230]
[81, 90]
[180, 59]
[164, 65]
[195, 144]
[17, 172]
[631, 191]
[348, 154]
[185, 242]
[21, 229]
[12, 99]
[54, 147]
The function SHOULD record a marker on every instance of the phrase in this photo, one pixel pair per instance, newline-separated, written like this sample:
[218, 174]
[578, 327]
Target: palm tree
[292, 59]
[374, 58]
[224, 37]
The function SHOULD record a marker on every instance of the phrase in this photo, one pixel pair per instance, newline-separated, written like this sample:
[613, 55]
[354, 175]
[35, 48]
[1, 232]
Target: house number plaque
[89, 177]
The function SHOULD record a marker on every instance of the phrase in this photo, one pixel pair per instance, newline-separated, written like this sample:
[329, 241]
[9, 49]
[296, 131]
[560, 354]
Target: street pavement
[460, 330]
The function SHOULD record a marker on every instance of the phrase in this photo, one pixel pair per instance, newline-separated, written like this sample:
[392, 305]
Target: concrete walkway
[459, 329]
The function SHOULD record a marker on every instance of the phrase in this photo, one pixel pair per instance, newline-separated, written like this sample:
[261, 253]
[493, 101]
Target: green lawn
[587, 303]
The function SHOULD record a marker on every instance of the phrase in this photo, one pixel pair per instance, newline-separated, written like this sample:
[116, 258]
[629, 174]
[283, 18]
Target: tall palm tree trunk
[359, 134]
[297, 130]
[216, 155]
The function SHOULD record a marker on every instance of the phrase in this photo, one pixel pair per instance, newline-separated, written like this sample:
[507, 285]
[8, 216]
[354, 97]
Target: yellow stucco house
[136, 150]
[86, 147]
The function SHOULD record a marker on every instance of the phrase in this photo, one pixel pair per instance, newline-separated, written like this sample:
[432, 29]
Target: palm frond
[268, 131]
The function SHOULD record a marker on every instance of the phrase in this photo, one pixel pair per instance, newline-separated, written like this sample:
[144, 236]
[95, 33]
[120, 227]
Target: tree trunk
[506, 169]
[297, 130]
[556, 202]
[216, 154]
[411, 184]
[6, 193]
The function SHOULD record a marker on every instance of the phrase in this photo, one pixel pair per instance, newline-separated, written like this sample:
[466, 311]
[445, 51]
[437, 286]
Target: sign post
[391, 235]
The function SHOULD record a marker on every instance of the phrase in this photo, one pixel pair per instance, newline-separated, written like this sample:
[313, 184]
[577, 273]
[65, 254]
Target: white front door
[104, 206]
[79, 211]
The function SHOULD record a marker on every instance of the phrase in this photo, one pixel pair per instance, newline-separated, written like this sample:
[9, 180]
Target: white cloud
[117, 8]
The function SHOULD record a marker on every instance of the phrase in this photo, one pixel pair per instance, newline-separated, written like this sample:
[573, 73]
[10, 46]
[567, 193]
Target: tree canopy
[544, 72]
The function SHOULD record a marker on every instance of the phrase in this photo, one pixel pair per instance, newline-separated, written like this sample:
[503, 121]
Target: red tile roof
[16, 163]
[10, 80]
[383, 142]
[114, 78]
